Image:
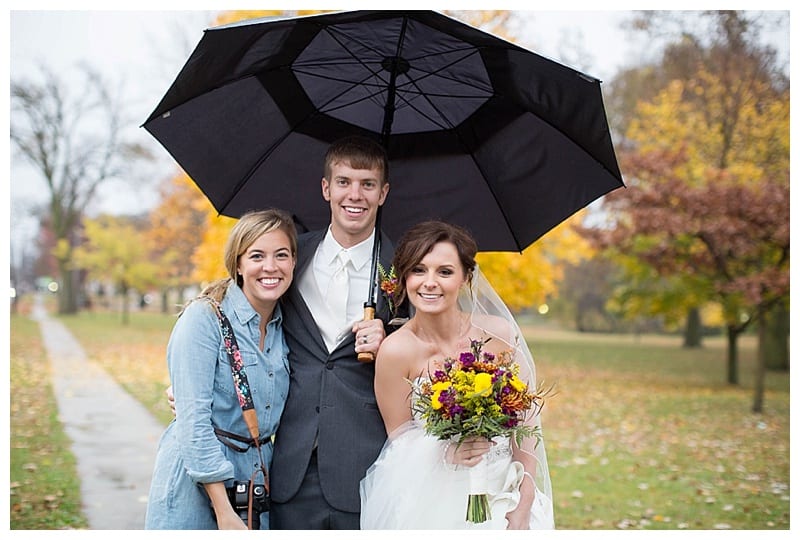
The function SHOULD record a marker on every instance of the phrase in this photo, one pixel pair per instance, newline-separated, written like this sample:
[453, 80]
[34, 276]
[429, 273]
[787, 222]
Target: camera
[239, 493]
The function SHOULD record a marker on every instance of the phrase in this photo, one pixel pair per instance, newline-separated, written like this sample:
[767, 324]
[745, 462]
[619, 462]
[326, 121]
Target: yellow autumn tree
[116, 251]
[528, 279]
[208, 257]
[673, 121]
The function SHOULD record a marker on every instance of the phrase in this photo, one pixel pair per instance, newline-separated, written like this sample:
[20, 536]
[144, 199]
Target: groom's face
[355, 196]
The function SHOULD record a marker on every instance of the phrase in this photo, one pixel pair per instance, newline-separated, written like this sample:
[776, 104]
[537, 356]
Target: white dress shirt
[323, 266]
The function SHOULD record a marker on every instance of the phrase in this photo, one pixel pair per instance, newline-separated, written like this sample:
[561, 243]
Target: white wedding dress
[411, 487]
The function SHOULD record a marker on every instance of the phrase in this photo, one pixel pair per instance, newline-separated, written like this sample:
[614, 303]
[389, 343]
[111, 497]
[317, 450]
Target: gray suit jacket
[331, 398]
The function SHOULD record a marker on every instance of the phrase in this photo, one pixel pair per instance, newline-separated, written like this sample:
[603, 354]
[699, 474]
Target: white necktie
[339, 288]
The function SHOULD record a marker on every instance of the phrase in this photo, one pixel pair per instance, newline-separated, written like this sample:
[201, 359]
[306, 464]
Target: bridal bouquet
[480, 394]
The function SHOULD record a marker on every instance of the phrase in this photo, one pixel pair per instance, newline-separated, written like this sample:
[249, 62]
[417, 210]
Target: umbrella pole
[370, 304]
[394, 65]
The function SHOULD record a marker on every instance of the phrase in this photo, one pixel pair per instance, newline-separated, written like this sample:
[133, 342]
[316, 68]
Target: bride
[418, 481]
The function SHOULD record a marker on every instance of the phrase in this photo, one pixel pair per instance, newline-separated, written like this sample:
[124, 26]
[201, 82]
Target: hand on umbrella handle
[366, 356]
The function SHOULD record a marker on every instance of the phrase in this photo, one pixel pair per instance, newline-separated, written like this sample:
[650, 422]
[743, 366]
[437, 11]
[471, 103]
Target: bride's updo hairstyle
[419, 240]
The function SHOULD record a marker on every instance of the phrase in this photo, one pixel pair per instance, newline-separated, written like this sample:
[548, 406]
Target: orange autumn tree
[175, 228]
[208, 256]
[530, 278]
[713, 109]
[228, 17]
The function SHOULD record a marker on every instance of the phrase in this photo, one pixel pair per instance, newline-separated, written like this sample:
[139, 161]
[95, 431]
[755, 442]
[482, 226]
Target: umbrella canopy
[479, 132]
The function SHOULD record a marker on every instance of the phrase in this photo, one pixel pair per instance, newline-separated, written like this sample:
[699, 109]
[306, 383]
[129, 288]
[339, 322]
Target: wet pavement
[114, 437]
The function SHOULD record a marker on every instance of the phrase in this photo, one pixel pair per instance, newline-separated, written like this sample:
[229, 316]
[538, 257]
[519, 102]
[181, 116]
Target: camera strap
[226, 438]
[245, 399]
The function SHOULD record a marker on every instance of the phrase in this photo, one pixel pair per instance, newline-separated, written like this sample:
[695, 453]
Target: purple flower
[467, 359]
[456, 410]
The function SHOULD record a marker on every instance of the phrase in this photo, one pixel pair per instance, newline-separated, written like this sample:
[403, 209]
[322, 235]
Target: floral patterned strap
[235, 357]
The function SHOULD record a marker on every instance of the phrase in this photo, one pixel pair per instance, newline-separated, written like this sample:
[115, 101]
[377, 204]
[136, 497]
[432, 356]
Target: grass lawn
[642, 434]
[645, 434]
[45, 492]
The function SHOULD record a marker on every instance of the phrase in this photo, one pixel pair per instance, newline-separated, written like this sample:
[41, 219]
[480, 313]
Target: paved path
[113, 436]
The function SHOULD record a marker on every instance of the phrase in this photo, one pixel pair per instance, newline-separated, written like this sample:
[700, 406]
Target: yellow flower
[435, 403]
[483, 384]
[517, 384]
[438, 388]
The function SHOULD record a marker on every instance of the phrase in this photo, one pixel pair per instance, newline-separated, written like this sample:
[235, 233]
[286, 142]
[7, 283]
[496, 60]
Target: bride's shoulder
[398, 344]
[398, 355]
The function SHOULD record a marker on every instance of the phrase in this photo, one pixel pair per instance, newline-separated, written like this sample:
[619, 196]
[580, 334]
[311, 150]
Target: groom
[331, 430]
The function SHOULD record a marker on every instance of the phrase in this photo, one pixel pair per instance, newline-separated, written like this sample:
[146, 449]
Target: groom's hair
[420, 239]
[360, 153]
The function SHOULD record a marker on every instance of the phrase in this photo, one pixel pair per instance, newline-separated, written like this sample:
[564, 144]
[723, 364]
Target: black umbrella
[479, 131]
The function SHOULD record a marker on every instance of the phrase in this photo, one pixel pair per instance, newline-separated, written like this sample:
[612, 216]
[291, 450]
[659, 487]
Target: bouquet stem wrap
[478, 509]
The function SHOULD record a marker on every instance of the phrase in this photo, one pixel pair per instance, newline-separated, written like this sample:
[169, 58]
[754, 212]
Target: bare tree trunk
[776, 338]
[68, 292]
[733, 356]
[693, 334]
[126, 317]
[761, 366]
[164, 299]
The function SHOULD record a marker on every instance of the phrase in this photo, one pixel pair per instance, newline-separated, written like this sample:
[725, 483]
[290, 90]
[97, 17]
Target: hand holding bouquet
[480, 394]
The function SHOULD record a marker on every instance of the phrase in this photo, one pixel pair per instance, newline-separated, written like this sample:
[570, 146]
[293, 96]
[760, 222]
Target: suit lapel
[307, 247]
[382, 307]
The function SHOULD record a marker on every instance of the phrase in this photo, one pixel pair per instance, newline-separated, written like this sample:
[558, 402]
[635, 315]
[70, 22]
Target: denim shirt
[189, 452]
[205, 395]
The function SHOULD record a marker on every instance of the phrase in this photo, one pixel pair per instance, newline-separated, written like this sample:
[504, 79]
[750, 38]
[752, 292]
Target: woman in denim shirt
[194, 464]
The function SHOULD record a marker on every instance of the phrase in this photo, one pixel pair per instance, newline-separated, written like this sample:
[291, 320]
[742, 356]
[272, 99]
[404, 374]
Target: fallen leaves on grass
[698, 445]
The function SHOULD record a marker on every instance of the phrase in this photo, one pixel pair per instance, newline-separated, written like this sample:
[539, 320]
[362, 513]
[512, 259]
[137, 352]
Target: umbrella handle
[366, 357]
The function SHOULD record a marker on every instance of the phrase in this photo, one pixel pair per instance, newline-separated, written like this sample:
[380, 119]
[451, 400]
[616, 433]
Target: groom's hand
[369, 336]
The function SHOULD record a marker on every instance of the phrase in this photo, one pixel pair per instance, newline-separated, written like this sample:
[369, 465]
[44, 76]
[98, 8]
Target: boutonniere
[388, 285]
